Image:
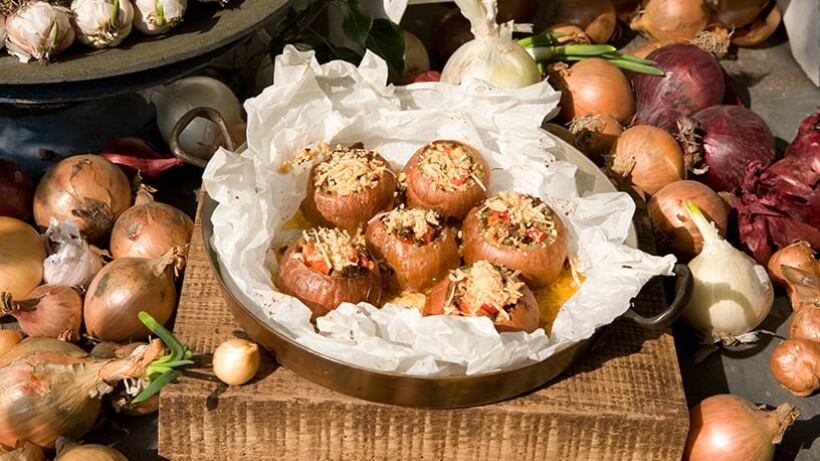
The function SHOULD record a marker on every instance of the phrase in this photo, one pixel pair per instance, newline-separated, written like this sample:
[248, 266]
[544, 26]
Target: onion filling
[334, 252]
[483, 290]
[413, 226]
[450, 166]
[518, 221]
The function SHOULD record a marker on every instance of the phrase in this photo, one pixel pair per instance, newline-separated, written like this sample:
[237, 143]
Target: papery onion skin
[38, 30]
[647, 156]
[16, 189]
[595, 135]
[236, 361]
[149, 229]
[729, 428]
[148, 21]
[667, 212]
[728, 138]
[122, 289]
[524, 317]
[72, 261]
[412, 267]
[9, 339]
[805, 323]
[49, 311]
[22, 253]
[799, 255]
[538, 267]
[422, 193]
[595, 17]
[795, 364]
[348, 212]
[664, 20]
[88, 189]
[323, 293]
[593, 86]
[693, 81]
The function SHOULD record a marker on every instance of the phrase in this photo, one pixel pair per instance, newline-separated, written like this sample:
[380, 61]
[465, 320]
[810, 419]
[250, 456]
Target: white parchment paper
[340, 103]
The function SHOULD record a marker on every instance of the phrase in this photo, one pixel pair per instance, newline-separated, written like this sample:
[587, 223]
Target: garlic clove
[2, 31]
[39, 31]
[102, 23]
[155, 17]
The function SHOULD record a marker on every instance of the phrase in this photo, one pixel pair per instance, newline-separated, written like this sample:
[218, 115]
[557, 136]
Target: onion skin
[647, 156]
[422, 193]
[758, 31]
[805, 323]
[595, 135]
[87, 189]
[693, 81]
[124, 287]
[323, 293]
[149, 229]
[22, 253]
[594, 86]
[236, 361]
[728, 138]
[17, 191]
[737, 13]
[795, 363]
[667, 212]
[70, 451]
[798, 255]
[412, 267]
[729, 428]
[524, 317]
[596, 17]
[539, 267]
[49, 311]
[348, 212]
[9, 339]
[668, 20]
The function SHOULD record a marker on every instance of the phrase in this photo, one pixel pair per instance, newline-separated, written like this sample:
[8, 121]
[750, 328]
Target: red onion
[693, 81]
[16, 189]
[134, 155]
[722, 140]
[49, 311]
[807, 143]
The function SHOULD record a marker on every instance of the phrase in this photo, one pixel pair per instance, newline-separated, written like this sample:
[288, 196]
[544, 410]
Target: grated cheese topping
[517, 220]
[347, 171]
[334, 252]
[483, 289]
[414, 225]
[451, 166]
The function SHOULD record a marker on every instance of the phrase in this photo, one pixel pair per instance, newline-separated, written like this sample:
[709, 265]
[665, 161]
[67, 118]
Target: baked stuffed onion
[348, 187]
[486, 290]
[326, 267]
[414, 246]
[446, 176]
[518, 231]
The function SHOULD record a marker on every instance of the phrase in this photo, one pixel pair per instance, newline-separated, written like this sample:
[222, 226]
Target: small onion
[9, 339]
[70, 451]
[595, 134]
[669, 20]
[21, 257]
[647, 156]
[729, 428]
[126, 286]
[594, 86]
[799, 255]
[149, 229]
[667, 211]
[87, 189]
[49, 311]
[16, 189]
[795, 364]
[236, 361]
[596, 17]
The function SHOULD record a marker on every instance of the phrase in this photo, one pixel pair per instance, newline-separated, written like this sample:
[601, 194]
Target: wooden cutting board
[623, 401]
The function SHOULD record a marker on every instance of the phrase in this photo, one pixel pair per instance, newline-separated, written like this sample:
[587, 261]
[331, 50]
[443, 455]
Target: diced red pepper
[314, 260]
[462, 176]
[497, 217]
[537, 235]
[490, 310]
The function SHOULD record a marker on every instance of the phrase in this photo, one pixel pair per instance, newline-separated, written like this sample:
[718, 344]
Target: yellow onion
[87, 189]
[596, 17]
[670, 20]
[737, 13]
[236, 361]
[126, 286]
[795, 364]
[28, 452]
[22, 253]
[9, 339]
[70, 451]
[648, 157]
[66, 399]
[799, 255]
[593, 86]
[149, 229]
[759, 30]
[49, 311]
[595, 134]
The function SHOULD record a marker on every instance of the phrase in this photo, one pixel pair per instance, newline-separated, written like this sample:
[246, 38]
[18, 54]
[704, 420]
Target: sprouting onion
[163, 370]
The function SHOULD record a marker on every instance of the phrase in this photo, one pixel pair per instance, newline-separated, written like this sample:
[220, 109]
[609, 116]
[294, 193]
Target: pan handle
[675, 309]
[207, 113]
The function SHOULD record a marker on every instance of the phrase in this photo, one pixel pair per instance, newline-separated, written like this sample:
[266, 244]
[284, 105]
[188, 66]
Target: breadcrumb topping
[483, 289]
[517, 220]
[451, 166]
[413, 225]
[334, 252]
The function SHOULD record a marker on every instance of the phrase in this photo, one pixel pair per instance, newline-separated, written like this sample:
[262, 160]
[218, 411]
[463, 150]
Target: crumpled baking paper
[340, 103]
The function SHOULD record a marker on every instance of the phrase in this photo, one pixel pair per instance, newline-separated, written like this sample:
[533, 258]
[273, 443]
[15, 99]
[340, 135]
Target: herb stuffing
[483, 290]
[334, 252]
[347, 171]
[451, 166]
[413, 226]
[517, 220]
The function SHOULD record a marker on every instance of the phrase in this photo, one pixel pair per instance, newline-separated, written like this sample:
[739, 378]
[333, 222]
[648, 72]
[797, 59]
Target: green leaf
[357, 24]
[386, 39]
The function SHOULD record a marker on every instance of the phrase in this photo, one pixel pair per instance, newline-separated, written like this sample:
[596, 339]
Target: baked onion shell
[323, 293]
[539, 267]
[348, 212]
[423, 193]
[525, 316]
[413, 267]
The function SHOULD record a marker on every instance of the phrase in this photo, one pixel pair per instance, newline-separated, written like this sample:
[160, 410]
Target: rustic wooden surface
[623, 401]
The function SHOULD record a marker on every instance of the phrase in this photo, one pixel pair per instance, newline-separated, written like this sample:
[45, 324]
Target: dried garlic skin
[39, 31]
[155, 17]
[102, 23]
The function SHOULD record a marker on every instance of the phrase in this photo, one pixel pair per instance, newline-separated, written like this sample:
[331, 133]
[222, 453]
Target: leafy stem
[163, 370]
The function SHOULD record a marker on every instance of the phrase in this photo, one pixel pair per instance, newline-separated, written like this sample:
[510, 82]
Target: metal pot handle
[675, 309]
[207, 113]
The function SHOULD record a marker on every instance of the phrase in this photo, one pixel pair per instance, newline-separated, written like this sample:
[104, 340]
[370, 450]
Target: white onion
[102, 23]
[39, 31]
[236, 361]
[155, 17]
[174, 100]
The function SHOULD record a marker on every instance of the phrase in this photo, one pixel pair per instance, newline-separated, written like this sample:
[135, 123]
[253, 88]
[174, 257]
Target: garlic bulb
[102, 23]
[732, 294]
[39, 30]
[154, 17]
[72, 261]
[2, 31]
[493, 55]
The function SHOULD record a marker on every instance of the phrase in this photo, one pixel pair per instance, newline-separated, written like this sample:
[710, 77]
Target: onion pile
[49, 311]
[647, 157]
[149, 229]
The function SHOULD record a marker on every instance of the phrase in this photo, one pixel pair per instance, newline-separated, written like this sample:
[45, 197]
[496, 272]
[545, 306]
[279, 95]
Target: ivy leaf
[325, 53]
[386, 39]
[357, 24]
